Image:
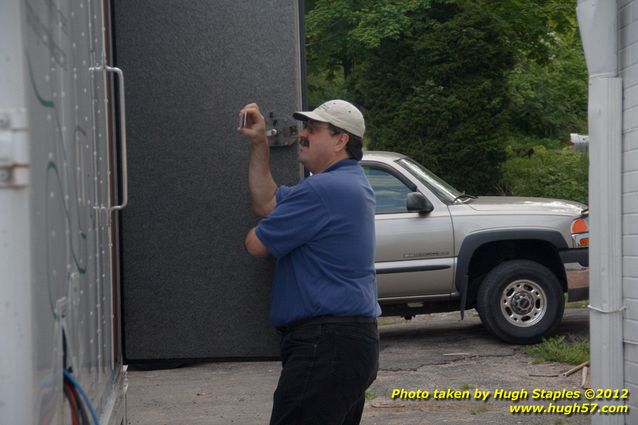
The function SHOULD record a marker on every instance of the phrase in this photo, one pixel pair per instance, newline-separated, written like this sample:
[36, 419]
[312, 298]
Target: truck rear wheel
[520, 301]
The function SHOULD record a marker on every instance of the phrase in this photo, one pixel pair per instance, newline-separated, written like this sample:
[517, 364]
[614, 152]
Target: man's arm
[254, 245]
[260, 181]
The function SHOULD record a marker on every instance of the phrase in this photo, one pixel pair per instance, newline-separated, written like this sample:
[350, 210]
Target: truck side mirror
[419, 203]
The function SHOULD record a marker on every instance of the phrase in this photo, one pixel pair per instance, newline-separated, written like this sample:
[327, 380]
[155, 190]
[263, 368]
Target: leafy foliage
[552, 173]
[550, 100]
[452, 83]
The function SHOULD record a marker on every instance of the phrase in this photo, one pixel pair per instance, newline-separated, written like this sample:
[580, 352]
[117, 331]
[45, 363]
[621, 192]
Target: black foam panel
[190, 290]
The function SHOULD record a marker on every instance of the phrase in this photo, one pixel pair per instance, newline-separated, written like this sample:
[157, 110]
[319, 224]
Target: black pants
[327, 366]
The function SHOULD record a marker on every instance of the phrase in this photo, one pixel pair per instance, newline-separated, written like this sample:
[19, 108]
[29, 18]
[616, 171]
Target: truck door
[414, 255]
[190, 289]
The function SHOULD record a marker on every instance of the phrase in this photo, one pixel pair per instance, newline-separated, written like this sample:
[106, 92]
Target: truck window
[389, 192]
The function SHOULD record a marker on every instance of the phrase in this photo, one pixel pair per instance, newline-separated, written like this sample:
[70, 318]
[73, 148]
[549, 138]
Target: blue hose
[87, 401]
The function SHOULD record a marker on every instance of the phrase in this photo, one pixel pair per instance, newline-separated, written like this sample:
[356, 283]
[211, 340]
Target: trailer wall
[60, 301]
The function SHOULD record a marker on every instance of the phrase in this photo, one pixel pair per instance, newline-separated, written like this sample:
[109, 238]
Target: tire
[520, 301]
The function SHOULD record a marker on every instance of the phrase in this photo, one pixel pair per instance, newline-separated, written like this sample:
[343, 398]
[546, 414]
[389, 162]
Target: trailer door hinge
[14, 152]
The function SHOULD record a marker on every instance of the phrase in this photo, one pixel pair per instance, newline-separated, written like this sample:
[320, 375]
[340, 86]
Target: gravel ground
[440, 352]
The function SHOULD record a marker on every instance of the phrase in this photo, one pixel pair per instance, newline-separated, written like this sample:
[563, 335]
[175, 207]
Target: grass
[558, 349]
[389, 320]
[478, 410]
[577, 304]
[370, 395]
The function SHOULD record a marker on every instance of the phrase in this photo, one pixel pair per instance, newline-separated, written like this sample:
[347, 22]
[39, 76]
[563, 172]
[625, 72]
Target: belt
[321, 320]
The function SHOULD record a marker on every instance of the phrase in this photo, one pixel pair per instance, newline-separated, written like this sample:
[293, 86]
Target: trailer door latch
[14, 152]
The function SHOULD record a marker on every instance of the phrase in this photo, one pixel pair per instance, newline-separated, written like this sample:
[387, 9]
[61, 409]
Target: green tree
[449, 82]
[551, 173]
[549, 98]
[549, 101]
[438, 93]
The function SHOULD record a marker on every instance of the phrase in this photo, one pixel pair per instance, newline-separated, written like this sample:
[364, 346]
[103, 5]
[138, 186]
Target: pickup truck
[514, 259]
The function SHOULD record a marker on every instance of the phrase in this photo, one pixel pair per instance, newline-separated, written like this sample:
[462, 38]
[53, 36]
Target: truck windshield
[440, 187]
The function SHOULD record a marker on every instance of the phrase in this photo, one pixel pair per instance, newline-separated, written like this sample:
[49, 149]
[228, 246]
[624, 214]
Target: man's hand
[255, 128]
[262, 185]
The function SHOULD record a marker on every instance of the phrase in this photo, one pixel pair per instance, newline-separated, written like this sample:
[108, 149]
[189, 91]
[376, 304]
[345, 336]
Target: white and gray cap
[339, 113]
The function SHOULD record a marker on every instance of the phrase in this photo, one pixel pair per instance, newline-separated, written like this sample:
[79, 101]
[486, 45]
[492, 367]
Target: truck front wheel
[520, 301]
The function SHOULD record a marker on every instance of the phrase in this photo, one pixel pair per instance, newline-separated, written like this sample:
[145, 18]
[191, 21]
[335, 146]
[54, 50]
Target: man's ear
[344, 138]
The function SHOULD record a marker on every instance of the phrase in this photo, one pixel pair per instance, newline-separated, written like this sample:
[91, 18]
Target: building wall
[628, 67]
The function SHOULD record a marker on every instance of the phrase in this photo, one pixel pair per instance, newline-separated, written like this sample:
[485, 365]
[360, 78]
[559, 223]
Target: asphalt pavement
[437, 353]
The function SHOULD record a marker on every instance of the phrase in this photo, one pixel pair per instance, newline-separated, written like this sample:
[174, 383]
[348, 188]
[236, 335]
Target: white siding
[630, 290]
[630, 245]
[630, 332]
[630, 139]
[630, 157]
[631, 360]
[630, 95]
[630, 224]
[630, 181]
[628, 63]
[629, 269]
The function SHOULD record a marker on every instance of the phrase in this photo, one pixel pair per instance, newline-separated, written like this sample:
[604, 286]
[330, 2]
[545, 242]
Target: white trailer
[62, 138]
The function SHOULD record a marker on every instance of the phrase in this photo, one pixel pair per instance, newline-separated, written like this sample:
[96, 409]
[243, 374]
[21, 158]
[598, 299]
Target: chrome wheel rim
[523, 303]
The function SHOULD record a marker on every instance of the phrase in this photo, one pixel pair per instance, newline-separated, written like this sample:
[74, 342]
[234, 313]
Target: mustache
[304, 142]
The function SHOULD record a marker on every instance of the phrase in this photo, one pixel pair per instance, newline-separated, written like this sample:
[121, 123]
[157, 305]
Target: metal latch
[283, 132]
[14, 153]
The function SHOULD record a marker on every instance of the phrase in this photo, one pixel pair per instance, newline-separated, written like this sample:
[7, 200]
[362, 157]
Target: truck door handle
[120, 75]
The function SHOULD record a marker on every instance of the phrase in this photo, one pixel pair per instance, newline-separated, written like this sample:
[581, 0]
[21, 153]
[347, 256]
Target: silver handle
[120, 75]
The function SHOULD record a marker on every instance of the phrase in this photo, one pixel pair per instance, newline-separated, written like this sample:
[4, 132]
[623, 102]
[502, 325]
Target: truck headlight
[580, 232]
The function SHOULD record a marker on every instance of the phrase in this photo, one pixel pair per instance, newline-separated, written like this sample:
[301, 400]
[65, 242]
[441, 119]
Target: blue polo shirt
[322, 234]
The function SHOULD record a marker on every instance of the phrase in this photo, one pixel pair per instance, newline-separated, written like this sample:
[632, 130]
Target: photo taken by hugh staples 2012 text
[541, 401]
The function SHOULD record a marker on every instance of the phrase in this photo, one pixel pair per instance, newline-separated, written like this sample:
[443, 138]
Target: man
[324, 296]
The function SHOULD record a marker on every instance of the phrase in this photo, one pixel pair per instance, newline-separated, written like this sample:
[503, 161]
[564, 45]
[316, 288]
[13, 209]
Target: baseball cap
[339, 113]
